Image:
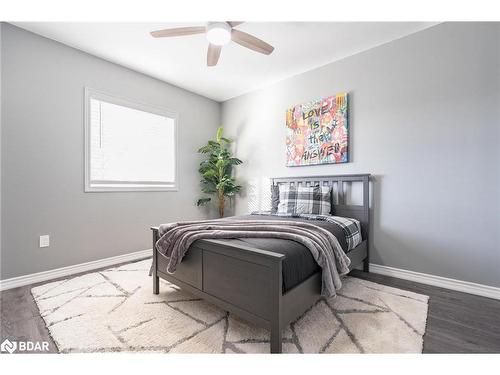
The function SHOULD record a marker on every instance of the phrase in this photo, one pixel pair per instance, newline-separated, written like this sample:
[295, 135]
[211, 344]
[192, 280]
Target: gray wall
[43, 157]
[424, 115]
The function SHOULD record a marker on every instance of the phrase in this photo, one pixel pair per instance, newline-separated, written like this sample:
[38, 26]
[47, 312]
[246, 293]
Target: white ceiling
[299, 47]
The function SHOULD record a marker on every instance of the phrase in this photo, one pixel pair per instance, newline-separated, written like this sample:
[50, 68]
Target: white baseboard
[443, 282]
[33, 278]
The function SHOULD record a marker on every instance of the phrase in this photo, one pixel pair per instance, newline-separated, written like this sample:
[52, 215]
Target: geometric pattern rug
[115, 311]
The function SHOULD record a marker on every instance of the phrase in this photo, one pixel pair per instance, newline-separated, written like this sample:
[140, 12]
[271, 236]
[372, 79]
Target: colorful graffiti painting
[318, 132]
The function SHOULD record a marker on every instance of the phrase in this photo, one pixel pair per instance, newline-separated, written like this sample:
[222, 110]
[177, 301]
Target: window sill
[116, 189]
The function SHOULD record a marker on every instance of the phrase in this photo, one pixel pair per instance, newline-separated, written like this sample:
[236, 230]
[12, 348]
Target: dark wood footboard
[242, 280]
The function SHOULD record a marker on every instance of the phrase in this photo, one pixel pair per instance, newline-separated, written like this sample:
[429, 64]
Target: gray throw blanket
[176, 238]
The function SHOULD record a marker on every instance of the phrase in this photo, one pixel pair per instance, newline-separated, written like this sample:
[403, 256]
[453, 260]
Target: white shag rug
[115, 310]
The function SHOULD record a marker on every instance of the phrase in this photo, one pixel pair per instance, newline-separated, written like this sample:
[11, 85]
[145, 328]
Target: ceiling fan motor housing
[219, 33]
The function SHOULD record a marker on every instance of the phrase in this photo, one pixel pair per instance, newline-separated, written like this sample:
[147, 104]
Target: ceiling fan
[218, 34]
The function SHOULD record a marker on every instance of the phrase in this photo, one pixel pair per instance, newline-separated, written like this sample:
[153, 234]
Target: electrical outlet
[45, 241]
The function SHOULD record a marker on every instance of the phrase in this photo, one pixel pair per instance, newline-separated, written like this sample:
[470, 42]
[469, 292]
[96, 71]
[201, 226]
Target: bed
[268, 287]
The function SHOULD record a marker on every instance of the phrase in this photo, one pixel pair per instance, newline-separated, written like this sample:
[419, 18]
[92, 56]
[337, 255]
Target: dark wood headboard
[339, 206]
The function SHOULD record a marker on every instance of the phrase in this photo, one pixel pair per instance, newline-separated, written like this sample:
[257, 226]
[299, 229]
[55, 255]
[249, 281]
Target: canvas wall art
[318, 132]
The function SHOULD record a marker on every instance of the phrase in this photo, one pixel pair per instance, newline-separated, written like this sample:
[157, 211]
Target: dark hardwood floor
[457, 322]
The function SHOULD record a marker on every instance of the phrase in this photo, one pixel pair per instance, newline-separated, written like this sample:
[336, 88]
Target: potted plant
[216, 172]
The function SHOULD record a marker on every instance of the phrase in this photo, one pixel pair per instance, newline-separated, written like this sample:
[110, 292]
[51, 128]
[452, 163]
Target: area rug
[115, 311]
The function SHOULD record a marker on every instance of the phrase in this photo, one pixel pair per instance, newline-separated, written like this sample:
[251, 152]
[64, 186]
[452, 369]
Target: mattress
[298, 264]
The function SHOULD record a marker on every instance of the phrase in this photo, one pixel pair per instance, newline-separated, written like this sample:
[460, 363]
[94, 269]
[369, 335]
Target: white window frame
[99, 95]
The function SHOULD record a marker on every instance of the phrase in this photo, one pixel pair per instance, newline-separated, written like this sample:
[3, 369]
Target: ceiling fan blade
[179, 31]
[213, 54]
[249, 41]
[234, 23]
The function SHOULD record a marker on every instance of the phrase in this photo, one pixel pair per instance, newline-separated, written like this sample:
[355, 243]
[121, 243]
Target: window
[129, 146]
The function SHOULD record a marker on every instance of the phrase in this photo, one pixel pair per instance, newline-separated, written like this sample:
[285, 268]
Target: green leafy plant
[216, 171]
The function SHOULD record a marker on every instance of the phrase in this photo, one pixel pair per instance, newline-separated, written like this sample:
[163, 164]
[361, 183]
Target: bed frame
[248, 281]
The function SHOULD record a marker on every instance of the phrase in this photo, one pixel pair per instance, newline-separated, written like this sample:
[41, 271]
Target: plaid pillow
[304, 200]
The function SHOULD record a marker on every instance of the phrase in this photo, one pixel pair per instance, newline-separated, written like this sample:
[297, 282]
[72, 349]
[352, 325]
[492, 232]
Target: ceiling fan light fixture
[219, 33]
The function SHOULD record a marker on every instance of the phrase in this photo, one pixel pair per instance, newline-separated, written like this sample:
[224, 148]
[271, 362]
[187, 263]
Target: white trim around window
[118, 185]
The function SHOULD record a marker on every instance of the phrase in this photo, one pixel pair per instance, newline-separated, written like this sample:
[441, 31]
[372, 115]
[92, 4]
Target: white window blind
[129, 146]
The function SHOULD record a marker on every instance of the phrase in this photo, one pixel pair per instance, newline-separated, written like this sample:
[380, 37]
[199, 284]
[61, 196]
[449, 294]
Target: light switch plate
[45, 241]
